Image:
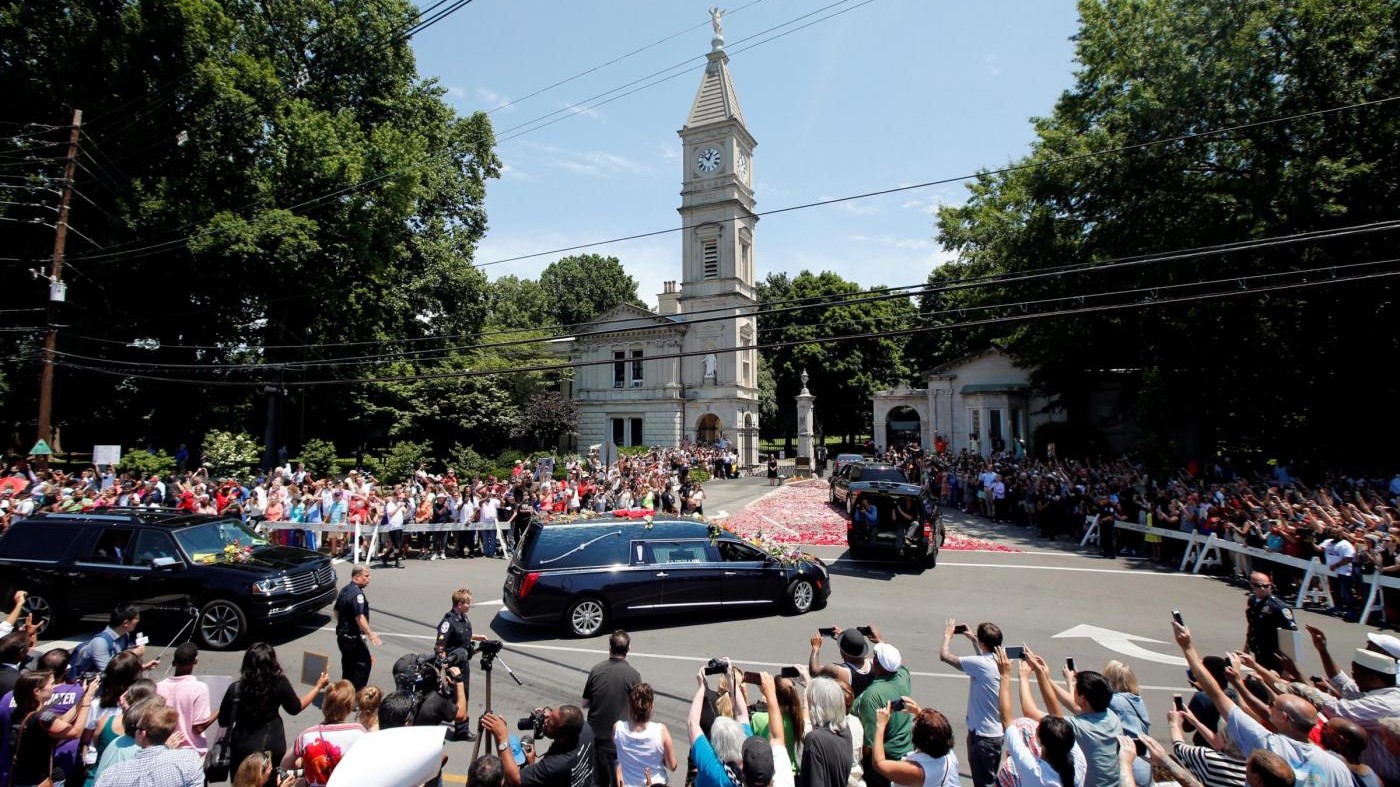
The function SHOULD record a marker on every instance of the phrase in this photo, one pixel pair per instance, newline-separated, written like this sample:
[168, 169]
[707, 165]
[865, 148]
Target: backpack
[84, 660]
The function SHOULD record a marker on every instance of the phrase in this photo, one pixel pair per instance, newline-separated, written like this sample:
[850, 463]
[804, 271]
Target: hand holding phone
[961, 628]
[1015, 651]
[829, 631]
[866, 631]
[1176, 615]
[1069, 664]
[1180, 705]
[790, 672]
[897, 705]
[753, 677]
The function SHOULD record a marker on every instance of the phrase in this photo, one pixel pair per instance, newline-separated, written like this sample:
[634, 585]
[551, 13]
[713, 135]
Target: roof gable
[629, 317]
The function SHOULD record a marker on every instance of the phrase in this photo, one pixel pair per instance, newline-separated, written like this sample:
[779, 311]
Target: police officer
[1265, 615]
[454, 634]
[352, 628]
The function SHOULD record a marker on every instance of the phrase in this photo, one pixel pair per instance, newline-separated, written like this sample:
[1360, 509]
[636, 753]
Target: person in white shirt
[1339, 554]
[984, 730]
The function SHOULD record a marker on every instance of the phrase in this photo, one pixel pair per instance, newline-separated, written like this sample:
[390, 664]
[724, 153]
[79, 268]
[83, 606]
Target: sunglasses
[1260, 584]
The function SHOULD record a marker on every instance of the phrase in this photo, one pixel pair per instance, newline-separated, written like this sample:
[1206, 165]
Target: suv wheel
[221, 624]
[586, 617]
[801, 596]
[40, 604]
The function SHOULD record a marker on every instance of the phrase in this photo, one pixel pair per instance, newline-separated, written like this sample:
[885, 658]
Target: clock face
[708, 160]
[741, 164]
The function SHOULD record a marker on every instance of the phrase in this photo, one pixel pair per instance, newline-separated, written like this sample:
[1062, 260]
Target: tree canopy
[264, 179]
[1266, 373]
[842, 375]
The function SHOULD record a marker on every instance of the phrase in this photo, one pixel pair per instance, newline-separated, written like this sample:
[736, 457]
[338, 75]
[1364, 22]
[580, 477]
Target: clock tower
[717, 260]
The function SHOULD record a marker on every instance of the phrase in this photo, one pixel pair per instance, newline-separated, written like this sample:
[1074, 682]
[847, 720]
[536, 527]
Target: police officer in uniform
[454, 633]
[1265, 615]
[352, 628]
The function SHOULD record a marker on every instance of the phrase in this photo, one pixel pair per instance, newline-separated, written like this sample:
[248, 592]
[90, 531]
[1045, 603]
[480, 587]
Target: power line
[783, 306]
[1012, 318]
[369, 182]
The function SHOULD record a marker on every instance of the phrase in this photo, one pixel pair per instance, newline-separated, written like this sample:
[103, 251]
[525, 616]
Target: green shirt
[899, 733]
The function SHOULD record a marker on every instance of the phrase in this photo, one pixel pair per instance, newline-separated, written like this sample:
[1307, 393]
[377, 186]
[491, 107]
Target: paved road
[1033, 595]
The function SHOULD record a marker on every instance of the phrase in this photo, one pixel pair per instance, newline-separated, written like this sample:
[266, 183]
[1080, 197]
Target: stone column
[804, 424]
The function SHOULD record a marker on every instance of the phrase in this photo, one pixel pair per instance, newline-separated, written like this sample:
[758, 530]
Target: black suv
[230, 578]
[584, 574]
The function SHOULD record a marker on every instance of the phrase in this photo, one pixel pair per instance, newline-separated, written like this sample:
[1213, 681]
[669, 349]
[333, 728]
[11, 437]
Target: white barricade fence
[1314, 587]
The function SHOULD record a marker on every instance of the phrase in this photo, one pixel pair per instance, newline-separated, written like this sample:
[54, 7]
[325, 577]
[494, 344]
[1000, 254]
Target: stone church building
[682, 373]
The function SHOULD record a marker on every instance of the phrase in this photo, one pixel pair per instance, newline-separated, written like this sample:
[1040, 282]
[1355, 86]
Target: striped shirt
[1210, 766]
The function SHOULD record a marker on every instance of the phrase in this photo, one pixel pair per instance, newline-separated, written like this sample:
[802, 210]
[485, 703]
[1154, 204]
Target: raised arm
[697, 706]
[1213, 690]
[817, 669]
[1004, 688]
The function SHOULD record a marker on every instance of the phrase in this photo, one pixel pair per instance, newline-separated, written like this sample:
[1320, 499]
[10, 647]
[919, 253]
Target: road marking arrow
[1120, 642]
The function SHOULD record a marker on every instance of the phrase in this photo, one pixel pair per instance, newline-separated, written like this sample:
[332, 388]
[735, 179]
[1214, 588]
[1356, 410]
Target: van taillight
[928, 531]
[527, 583]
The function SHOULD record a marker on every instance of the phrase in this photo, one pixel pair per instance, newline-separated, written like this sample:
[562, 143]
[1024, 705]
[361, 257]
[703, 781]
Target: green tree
[547, 416]
[289, 162]
[1255, 374]
[581, 287]
[843, 374]
[319, 456]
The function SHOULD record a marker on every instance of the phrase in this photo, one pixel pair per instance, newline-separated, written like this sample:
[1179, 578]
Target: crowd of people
[1349, 522]
[480, 515]
[73, 718]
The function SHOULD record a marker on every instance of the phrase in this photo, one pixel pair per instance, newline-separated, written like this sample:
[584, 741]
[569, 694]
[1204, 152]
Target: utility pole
[56, 292]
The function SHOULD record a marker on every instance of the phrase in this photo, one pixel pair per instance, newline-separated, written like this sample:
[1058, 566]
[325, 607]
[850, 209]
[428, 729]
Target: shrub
[467, 462]
[143, 464]
[229, 453]
[403, 460]
[319, 457]
[698, 476]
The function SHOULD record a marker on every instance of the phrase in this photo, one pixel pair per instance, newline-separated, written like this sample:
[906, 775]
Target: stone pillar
[804, 424]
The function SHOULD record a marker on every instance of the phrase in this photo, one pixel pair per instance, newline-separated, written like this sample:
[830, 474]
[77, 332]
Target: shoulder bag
[220, 762]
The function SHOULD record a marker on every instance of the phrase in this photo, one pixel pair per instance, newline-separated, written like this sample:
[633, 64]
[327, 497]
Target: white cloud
[515, 173]
[492, 99]
[456, 92]
[993, 65]
[578, 109]
[894, 241]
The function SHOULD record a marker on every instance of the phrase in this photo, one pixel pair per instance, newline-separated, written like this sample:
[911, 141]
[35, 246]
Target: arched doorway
[902, 427]
[708, 429]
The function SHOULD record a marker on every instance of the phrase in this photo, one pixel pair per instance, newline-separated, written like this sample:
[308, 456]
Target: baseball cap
[853, 644]
[888, 656]
[758, 762]
[1385, 642]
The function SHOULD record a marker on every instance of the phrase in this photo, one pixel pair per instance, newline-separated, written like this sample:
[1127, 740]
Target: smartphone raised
[1176, 615]
[1180, 705]
[866, 631]
[1015, 651]
[1140, 747]
[961, 628]
[896, 705]
[829, 631]
[1069, 662]
[790, 672]
[753, 677]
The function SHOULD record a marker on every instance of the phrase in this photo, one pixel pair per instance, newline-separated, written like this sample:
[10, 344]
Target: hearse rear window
[35, 541]
[575, 547]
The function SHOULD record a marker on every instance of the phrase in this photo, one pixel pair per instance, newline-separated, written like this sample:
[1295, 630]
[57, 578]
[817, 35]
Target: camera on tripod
[534, 722]
[488, 647]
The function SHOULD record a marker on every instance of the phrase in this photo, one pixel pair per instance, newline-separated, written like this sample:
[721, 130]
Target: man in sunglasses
[1265, 614]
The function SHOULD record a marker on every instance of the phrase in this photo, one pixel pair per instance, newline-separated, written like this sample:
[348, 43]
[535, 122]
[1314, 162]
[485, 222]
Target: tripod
[482, 734]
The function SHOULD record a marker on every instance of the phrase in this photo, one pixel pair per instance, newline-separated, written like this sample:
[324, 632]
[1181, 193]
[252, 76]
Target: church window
[618, 424]
[626, 431]
[747, 369]
[619, 369]
[709, 256]
[636, 368]
[745, 256]
[636, 424]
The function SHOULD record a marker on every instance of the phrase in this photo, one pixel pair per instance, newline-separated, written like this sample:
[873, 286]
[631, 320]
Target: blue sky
[892, 92]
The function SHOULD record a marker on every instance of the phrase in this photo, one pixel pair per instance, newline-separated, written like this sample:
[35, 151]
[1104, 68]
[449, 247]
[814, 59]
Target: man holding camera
[984, 729]
[569, 761]
[855, 666]
[605, 696]
[447, 705]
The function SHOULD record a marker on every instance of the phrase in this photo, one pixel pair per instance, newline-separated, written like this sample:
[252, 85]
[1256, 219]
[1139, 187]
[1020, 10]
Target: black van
[585, 574]
[215, 568]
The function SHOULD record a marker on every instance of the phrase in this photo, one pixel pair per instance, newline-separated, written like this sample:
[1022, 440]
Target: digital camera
[717, 666]
[534, 722]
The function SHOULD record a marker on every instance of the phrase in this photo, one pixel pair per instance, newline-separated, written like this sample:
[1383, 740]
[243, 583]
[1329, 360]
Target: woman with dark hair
[35, 730]
[120, 673]
[932, 763]
[1037, 755]
[645, 755]
[261, 691]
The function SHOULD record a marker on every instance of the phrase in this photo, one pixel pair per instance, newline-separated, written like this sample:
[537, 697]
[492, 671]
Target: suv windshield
[877, 473]
[207, 542]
